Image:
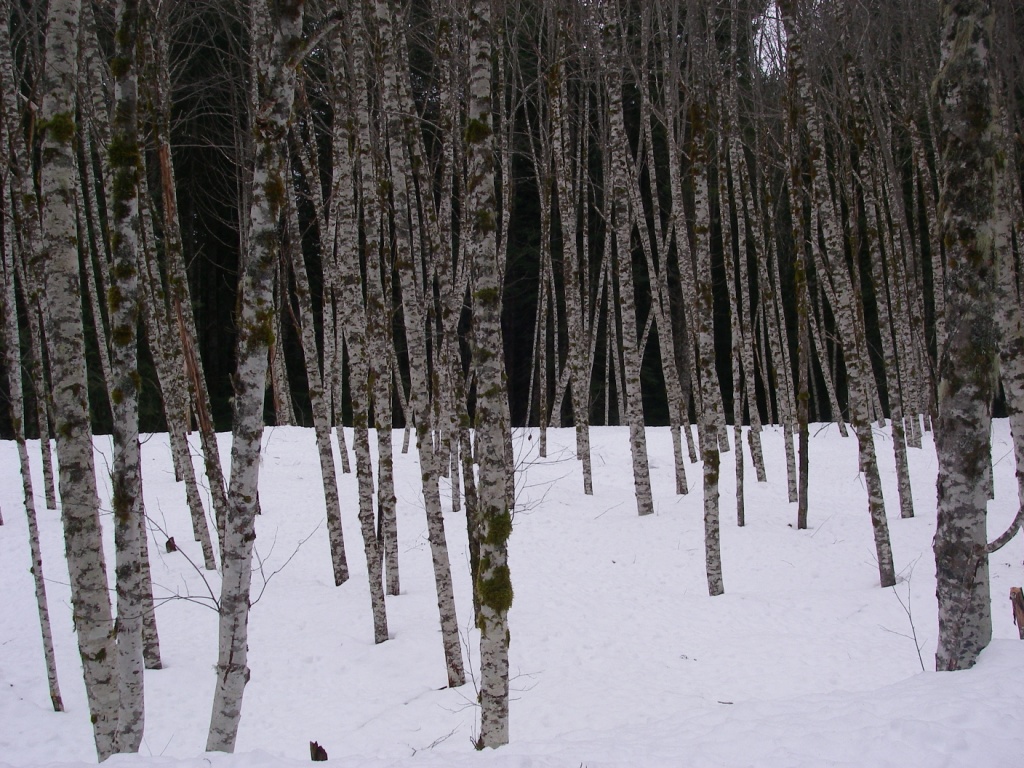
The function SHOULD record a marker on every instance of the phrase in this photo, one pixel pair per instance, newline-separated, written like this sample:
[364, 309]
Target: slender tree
[621, 234]
[55, 268]
[401, 141]
[13, 365]
[123, 309]
[494, 582]
[276, 31]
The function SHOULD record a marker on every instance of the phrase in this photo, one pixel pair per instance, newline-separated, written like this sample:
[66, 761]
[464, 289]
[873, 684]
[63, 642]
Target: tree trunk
[276, 32]
[963, 87]
[407, 262]
[803, 372]
[710, 417]
[180, 310]
[24, 210]
[888, 322]
[161, 343]
[123, 312]
[493, 580]
[284, 408]
[847, 304]
[317, 395]
[568, 205]
[622, 228]
[12, 363]
[379, 324]
[56, 270]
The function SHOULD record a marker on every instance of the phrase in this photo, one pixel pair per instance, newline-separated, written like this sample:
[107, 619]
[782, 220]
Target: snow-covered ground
[618, 656]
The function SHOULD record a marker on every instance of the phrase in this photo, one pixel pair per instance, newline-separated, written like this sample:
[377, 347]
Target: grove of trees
[460, 216]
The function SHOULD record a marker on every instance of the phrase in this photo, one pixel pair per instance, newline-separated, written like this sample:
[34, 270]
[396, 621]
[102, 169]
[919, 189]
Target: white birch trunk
[748, 239]
[284, 408]
[317, 395]
[378, 309]
[341, 254]
[846, 303]
[622, 228]
[968, 137]
[575, 293]
[657, 244]
[55, 267]
[1011, 331]
[24, 210]
[175, 414]
[12, 363]
[493, 579]
[277, 73]
[123, 312]
[735, 310]
[401, 130]
[888, 322]
[710, 417]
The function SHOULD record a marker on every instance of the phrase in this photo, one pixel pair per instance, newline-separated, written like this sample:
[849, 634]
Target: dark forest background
[892, 48]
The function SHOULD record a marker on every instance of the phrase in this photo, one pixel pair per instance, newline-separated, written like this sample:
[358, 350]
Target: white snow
[618, 655]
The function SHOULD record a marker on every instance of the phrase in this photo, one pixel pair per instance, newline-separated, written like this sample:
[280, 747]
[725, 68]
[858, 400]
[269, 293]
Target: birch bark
[317, 395]
[378, 308]
[284, 408]
[748, 239]
[24, 210]
[656, 243]
[108, 147]
[797, 197]
[123, 311]
[277, 74]
[737, 342]
[677, 225]
[1011, 328]
[894, 328]
[963, 88]
[847, 304]
[408, 264]
[175, 410]
[493, 579]
[342, 259]
[622, 227]
[55, 267]
[710, 417]
[892, 367]
[567, 195]
[12, 362]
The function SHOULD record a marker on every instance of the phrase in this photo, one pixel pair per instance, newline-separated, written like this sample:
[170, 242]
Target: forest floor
[618, 655]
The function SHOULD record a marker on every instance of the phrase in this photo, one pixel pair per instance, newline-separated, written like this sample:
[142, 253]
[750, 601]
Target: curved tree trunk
[276, 33]
[24, 210]
[847, 303]
[317, 395]
[12, 363]
[180, 313]
[419, 413]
